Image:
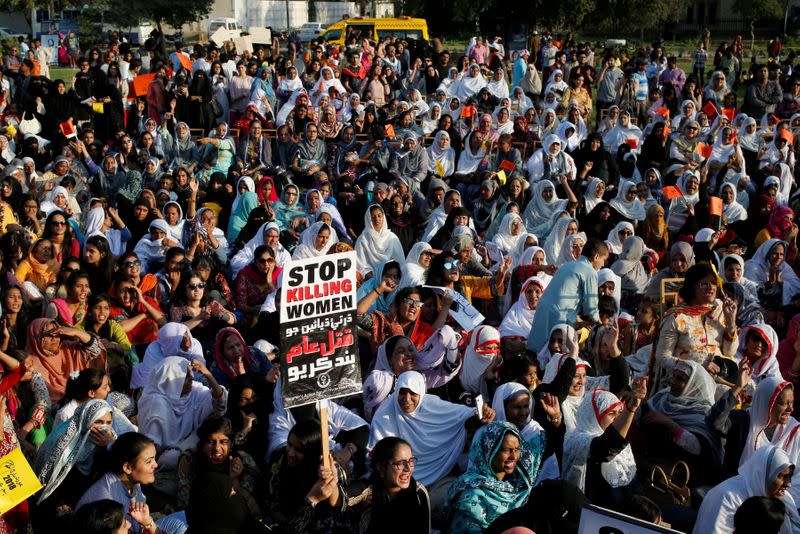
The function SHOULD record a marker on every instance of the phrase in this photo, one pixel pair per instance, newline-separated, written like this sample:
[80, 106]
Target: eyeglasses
[69, 270]
[404, 465]
[198, 285]
[451, 265]
[129, 264]
[412, 302]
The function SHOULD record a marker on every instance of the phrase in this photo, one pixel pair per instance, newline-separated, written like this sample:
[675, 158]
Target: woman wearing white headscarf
[418, 106]
[571, 249]
[766, 474]
[377, 244]
[759, 267]
[503, 122]
[480, 360]
[314, 242]
[594, 194]
[597, 456]
[522, 251]
[247, 183]
[433, 427]
[152, 247]
[614, 240]
[568, 134]
[470, 84]
[268, 234]
[59, 199]
[517, 322]
[498, 85]
[448, 84]
[732, 211]
[688, 112]
[563, 228]
[607, 276]
[174, 339]
[175, 230]
[100, 223]
[627, 202]
[727, 160]
[511, 231]
[431, 120]
[544, 204]
[557, 87]
[289, 84]
[748, 140]
[72, 445]
[474, 153]
[623, 131]
[441, 156]
[173, 405]
[352, 109]
[327, 79]
[550, 162]
[680, 208]
[414, 272]
[775, 161]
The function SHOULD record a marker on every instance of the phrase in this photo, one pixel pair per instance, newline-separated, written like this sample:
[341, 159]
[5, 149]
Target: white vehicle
[233, 28]
[310, 30]
[5, 33]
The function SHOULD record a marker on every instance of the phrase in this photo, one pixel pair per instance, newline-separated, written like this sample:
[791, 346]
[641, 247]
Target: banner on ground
[596, 520]
[319, 348]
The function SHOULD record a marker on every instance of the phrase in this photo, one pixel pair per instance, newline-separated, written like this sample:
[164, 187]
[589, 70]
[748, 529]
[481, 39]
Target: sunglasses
[451, 265]
[412, 302]
[58, 223]
[265, 260]
[199, 285]
[129, 264]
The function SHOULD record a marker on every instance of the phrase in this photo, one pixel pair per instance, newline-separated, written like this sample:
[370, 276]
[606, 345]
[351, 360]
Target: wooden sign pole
[323, 421]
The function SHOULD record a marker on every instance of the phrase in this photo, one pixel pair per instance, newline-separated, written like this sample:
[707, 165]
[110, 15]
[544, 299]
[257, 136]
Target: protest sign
[243, 44]
[17, 480]
[319, 350]
[596, 520]
[141, 83]
[219, 37]
[259, 35]
[461, 310]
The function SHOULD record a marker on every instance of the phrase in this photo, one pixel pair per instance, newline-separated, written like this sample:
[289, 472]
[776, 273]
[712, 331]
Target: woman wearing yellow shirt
[445, 272]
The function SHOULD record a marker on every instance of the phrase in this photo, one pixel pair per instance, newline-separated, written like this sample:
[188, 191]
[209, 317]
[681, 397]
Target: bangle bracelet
[629, 408]
[376, 292]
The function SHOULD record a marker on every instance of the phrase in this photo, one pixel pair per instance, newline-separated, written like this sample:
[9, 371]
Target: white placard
[219, 37]
[260, 35]
[597, 520]
[461, 310]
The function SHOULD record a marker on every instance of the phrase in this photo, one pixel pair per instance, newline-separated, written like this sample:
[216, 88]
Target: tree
[176, 13]
[755, 10]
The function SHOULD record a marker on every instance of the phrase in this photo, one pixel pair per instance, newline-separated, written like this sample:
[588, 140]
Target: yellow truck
[376, 29]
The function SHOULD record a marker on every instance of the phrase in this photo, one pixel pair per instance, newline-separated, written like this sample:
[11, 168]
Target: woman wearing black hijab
[200, 96]
[60, 104]
[592, 159]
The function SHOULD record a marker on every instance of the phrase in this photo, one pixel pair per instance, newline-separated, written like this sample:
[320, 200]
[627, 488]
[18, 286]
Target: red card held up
[710, 110]
[704, 150]
[468, 111]
[672, 191]
[715, 206]
[390, 131]
[508, 165]
[633, 143]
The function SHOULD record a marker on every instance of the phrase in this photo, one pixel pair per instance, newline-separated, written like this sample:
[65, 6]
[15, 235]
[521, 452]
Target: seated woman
[220, 482]
[681, 257]
[152, 248]
[315, 241]
[255, 282]
[71, 310]
[216, 153]
[434, 427]
[679, 425]
[544, 205]
[445, 272]
[137, 314]
[759, 352]
[391, 499]
[519, 318]
[87, 385]
[403, 316]
[174, 339]
[129, 265]
[233, 358]
[112, 334]
[302, 496]
[310, 156]
[701, 328]
[597, 456]
[56, 358]
[192, 306]
[173, 405]
[778, 282]
[39, 269]
[132, 464]
[502, 470]
[67, 459]
[377, 244]
[202, 238]
[379, 292]
[268, 234]
[767, 473]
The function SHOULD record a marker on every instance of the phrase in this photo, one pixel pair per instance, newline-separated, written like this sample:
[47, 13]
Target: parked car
[5, 33]
[233, 27]
[310, 30]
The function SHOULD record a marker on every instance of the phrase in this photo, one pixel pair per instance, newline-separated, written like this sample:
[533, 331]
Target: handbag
[29, 126]
[216, 109]
[669, 489]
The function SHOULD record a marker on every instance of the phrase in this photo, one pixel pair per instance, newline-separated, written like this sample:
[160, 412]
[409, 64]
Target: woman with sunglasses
[61, 235]
[391, 500]
[255, 282]
[445, 272]
[404, 318]
[190, 304]
[130, 265]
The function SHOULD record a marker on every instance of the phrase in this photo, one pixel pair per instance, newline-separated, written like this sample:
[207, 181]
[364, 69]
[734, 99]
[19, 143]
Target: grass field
[63, 73]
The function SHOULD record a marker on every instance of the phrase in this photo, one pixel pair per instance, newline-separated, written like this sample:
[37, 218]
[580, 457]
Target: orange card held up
[664, 112]
[715, 206]
[508, 165]
[704, 150]
[633, 143]
[730, 113]
[68, 129]
[789, 136]
[672, 191]
[389, 131]
[186, 63]
[468, 111]
[141, 83]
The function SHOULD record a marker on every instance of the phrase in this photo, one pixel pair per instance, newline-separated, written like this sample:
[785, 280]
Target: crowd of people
[626, 230]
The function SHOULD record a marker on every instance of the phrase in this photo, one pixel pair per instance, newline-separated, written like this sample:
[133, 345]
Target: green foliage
[754, 10]
[176, 13]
